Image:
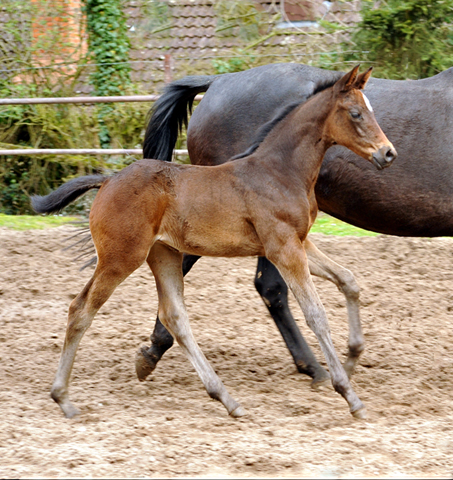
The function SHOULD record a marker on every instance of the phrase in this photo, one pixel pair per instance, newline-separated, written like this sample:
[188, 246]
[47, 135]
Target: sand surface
[169, 427]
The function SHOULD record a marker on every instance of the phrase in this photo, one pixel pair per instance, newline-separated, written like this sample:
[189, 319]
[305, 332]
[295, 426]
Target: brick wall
[56, 31]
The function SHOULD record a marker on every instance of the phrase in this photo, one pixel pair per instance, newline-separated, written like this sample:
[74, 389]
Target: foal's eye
[355, 115]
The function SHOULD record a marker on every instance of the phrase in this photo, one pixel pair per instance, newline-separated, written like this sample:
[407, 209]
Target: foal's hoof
[360, 414]
[322, 384]
[238, 412]
[349, 367]
[69, 410]
[60, 397]
[144, 364]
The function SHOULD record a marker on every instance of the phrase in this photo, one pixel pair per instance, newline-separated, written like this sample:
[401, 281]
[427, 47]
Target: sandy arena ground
[169, 427]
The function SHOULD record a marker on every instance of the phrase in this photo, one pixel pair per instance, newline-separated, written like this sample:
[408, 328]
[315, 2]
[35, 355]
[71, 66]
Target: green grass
[324, 224]
[331, 226]
[32, 222]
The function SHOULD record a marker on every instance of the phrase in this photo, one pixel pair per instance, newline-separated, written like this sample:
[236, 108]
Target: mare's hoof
[238, 412]
[144, 364]
[360, 414]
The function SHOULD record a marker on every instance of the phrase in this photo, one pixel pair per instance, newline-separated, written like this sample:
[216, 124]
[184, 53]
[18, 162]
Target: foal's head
[352, 124]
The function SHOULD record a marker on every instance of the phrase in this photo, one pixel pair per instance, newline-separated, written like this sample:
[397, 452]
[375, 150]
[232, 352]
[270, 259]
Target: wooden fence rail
[86, 100]
[79, 151]
[117, 99]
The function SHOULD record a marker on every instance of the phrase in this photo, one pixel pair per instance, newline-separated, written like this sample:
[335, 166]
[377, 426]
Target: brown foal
[262, 204]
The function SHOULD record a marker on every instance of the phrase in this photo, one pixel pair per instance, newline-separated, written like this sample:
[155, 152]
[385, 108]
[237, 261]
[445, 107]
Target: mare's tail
[170, 113]
[66, 193]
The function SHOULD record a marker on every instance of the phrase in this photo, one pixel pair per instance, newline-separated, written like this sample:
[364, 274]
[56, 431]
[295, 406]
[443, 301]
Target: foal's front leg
[166, 267]
[322, 266]
[272, 288]
[291, 260]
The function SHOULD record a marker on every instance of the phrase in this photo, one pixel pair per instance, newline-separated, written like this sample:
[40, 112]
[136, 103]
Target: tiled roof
[194, 34]
[190, 30]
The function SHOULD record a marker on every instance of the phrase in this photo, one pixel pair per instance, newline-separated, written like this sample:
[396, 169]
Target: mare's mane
[265, 129]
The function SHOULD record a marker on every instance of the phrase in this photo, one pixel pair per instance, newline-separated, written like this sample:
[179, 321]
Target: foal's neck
[300, 139]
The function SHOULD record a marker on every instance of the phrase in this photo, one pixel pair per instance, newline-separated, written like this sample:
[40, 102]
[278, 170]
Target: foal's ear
[347, 81]
[362, 79]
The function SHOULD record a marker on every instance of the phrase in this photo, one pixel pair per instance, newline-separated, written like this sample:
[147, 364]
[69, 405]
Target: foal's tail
[170, 113]
[66, 193]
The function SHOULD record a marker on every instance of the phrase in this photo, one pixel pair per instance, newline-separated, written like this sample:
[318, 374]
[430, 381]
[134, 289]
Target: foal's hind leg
[161, 340]
[107, 276]
[322, 266]
[274, 292]
[166, 267]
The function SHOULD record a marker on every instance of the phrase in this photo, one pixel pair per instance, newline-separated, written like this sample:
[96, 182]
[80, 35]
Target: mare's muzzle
[384, 157]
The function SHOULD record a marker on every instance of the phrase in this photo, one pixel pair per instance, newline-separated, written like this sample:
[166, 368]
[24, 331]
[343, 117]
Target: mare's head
[351, 122]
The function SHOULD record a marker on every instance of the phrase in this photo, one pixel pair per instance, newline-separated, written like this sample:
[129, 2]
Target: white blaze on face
[367, 102]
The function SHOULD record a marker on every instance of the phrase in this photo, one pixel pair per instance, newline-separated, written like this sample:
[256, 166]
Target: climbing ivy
[108, 46]
[405, 39]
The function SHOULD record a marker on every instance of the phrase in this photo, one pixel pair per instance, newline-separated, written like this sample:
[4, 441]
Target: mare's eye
[355, 115]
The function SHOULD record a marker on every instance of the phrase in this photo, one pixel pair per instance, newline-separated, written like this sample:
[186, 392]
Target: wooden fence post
[168, 68]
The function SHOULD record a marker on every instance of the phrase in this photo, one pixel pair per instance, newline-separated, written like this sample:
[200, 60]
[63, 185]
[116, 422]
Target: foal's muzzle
[384, 157]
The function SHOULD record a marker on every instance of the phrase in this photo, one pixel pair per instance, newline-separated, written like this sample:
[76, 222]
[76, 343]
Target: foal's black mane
[265, 129]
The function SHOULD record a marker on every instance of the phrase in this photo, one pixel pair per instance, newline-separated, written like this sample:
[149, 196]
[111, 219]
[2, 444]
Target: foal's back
[197, 210]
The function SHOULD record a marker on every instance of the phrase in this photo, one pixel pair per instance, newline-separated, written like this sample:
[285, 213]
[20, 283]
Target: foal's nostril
[390, 154]
[384, 157]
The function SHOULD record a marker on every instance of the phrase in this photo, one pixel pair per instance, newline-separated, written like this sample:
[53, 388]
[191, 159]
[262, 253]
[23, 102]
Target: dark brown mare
[414, 198]
[262, 204]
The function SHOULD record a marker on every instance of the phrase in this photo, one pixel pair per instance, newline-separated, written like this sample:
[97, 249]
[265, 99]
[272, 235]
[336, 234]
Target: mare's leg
[166, 267]
[322, 266]
[274, 292]
[146, 358]
[290, 258]
[107, 276]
